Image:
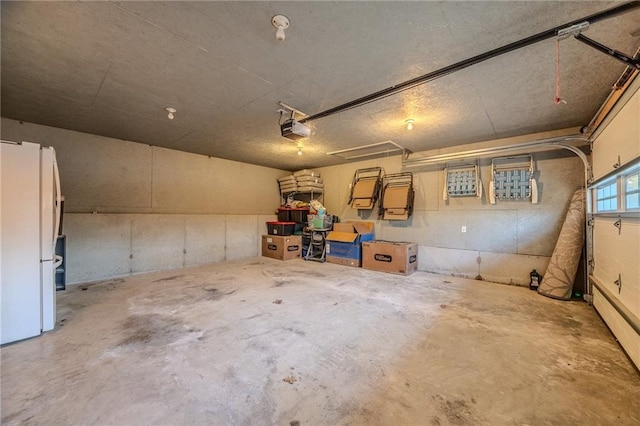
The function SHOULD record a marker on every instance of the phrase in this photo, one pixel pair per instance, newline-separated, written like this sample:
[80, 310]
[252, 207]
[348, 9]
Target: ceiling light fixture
[170, 112]
[299, 149]
[281, 22]
[410, 123]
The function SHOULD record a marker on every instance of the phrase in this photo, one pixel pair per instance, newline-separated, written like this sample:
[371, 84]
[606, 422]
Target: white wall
[132, 208]
[503, 242]
[108, 175]
[616, 252]
[107, 245]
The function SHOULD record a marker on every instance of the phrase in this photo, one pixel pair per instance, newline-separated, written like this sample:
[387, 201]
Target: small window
[607, 197]
[632, 190]
[618, 194]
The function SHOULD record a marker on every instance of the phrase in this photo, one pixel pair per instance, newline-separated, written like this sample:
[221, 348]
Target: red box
[281, 228]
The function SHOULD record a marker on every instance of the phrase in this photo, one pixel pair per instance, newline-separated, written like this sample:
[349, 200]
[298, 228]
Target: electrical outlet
[463, 229]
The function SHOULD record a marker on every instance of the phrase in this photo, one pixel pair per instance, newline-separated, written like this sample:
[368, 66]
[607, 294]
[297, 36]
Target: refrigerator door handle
[56, 174]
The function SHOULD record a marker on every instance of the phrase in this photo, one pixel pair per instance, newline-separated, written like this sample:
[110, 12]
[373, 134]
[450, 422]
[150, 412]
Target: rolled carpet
[561, 272]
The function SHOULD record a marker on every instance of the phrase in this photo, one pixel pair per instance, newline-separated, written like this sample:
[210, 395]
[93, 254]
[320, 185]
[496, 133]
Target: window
[619, 193]
[607, 196]
[632, 190]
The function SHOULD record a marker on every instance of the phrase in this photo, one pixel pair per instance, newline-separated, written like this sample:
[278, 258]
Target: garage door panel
[617, 254]
[621, 138]
[628, 338]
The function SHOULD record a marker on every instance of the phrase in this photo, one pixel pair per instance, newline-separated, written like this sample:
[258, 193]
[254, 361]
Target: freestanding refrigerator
[29, 223]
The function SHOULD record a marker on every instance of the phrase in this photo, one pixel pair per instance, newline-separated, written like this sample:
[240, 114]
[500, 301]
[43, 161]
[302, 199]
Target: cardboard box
[281, 247]
[343, 227]
[389, 256]
[345, 242]
[344, 261]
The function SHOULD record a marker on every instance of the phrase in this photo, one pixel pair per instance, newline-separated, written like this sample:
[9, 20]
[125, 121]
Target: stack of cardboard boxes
[351, 244]
[348, 243]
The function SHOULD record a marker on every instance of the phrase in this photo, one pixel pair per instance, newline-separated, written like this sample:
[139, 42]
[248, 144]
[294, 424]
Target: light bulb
[170, 116]
[299, 151]
[170, 112]
[409, 124]
[280, 22]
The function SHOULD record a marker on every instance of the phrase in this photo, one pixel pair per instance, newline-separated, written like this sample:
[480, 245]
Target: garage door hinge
[618, 283]
[618, 224]
[617, 164]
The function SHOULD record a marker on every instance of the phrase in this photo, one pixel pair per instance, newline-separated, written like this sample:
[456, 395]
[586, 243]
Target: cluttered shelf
[303, 222]
[307, 183]
[306, 230]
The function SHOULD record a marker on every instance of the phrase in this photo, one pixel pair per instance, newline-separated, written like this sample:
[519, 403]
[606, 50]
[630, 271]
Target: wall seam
[225, 237]
[151, 179]
[131, 245]
[184, 241]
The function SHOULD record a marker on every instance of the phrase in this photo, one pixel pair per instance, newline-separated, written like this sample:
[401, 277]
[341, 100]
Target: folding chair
[397, 196]
[462, 181]
[365, 188]
[512, 179]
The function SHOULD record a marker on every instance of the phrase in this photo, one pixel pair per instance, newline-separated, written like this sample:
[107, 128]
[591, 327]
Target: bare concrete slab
[260, 341]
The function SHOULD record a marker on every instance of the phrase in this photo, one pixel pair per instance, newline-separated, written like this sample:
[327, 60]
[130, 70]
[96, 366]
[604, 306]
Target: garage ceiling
[111, 68]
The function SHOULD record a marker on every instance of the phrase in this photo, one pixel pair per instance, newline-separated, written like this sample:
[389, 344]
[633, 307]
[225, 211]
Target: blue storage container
[348, 245]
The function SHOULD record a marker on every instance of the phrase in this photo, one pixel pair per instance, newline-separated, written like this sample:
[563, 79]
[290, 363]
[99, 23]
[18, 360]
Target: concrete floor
[260, 342]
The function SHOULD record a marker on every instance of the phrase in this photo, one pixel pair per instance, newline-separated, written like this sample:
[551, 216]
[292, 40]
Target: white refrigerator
[30, 204]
